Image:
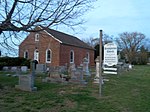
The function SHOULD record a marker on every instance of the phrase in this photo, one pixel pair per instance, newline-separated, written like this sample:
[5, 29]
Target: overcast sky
[117, 16]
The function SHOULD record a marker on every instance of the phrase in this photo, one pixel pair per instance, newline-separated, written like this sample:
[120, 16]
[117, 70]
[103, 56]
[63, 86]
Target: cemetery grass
[127, 92]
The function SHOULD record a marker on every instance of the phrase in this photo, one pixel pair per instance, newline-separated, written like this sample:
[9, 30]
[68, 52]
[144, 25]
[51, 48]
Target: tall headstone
[72, 69]
[97, 67]
[96, 79]
[86, 67]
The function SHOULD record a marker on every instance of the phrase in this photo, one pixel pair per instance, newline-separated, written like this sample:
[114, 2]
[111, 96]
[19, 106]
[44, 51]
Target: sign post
[100, 64]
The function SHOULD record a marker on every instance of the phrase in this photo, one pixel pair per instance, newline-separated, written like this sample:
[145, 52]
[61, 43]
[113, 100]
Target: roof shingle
[67, 39]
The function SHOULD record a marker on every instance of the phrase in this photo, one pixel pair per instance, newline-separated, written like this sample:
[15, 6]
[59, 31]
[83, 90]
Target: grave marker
[96, 79]
[13, 69]
[26, 82]
[5, 68]
[86, 67]
[40, 68]
[24, 68]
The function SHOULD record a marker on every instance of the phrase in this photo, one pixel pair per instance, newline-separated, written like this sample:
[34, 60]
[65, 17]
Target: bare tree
[91, 41]
[147, 43]
[142, 56]
[25, 15]
[95, 41]
[107, 38]
[130, 43]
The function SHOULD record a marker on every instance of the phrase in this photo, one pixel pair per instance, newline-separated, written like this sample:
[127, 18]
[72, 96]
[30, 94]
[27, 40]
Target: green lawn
[127, 92]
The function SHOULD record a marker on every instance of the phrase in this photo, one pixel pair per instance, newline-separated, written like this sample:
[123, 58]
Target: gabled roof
[67, 39]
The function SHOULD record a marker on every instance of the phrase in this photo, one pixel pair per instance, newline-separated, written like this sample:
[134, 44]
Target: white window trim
[36, 37]
[50, 56]
[72, 56]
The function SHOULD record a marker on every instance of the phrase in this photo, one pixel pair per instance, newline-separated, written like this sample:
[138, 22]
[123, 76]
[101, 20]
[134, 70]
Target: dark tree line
[132, 46]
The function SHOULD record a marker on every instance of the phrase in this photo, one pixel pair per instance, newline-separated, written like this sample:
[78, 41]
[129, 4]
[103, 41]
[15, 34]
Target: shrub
[13, 61]
[1, 87]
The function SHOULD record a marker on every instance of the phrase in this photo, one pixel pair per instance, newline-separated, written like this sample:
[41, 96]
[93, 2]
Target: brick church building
[55, 48]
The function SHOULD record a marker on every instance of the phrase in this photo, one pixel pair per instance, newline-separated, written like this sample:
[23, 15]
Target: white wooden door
[36, 55]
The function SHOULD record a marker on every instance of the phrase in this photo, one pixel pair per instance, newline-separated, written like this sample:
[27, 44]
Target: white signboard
[110, 54]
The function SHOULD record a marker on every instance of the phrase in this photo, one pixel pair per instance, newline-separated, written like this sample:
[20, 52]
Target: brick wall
[44, 43]
[79, 54]
[60, 52]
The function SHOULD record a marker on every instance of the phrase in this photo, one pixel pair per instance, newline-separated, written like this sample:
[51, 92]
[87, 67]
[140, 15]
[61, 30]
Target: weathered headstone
[96, 79]
[54, 74]
[24, 68]
[97, 67]
[5, 68]
[120, 66]
[26, 82]
[13, 69]
[40, 68]
[71, 70]
[86, 67]
[78, 77]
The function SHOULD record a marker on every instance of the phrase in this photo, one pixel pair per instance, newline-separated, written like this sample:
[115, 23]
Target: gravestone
[13, 69]
[78, 76]
[24, 68]
[86, 67]
[26, 82]
[96, 79]
[97, 67]
[120, 66]
[72, 70]
[40, 68]
[54, 74]
[5, 68]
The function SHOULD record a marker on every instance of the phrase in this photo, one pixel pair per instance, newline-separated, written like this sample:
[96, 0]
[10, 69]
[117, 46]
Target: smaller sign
[110, 54]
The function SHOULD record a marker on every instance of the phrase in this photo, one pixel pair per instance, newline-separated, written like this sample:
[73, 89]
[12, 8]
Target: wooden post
[100, 64]
[33, 72]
